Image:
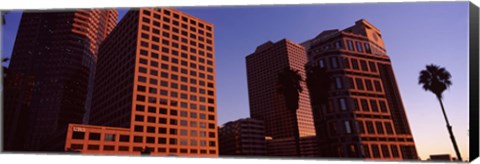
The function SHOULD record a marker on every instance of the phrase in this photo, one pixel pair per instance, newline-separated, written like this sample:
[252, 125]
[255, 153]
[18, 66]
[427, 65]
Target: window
[355, 64]
[375, 151]
[373, 66]
[369, 85]
[76, 146]
[355, 104]
[93, 147]
[94, 136]
[350, 45]
[138, 139]
[343, 104]
[183, 123]
[183, 142]
[109, 137]
[383, 106]
[359, 47]
[183, 132]
[338, 44]
[150, 129]
[361, 129]
[173, 122]
[364, 105]
[334, 62]
[370, 128]
[162, 130]
[78, 135]
[321, 63]
[388, 128]
[359, 84]
[173, 131]
[348, 129]
[162, 140]
[379, 127]
[363, 64]
[338, 82]
[151, 119]
[366, 151]
[138, 128]
[378, 87]
[367, 48]
[374, 106]
[124, 138]
[394, 149]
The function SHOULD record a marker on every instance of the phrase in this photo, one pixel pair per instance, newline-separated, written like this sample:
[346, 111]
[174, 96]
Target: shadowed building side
[243, 137]
[358, 109]
[266, 102]
[51, 75]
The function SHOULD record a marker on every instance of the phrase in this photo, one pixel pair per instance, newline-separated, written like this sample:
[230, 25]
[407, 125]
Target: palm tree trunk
[296, 134]
[449, 127]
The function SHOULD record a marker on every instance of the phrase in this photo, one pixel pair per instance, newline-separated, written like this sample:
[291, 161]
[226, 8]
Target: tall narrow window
[350, 45]
[367, 48]
[343, 104]
[334, 62]
[359, 84]
[321, 63]
[338, 82]
[359, 47]
[348, 129]
[379, 127]
[370, 128]
[338, 44]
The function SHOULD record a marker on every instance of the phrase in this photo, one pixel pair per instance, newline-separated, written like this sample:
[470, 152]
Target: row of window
[348, 63]
[358, 83]
[140, 149]
[167, 15]
[163, 101]
[183, 95]
[363, 104]
[140, 139]
[184, 46]
[361, 127]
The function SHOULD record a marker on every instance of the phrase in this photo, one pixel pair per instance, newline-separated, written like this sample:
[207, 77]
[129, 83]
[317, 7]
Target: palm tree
[289, 85]
[436, 79]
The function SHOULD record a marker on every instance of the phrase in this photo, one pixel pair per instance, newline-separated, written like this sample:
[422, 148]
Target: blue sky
[415, 34]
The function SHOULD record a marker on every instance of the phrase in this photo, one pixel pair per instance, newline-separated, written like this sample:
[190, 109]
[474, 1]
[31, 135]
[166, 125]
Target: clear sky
[415, 34]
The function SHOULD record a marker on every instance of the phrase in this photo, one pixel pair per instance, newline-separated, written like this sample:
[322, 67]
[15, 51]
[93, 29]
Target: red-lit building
[50, 77]
[154, 89]
[362, 114]
[268, 104]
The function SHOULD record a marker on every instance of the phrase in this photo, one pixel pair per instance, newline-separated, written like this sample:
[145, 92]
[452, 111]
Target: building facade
[50, 78]
[244, 137]
[154, 89]
[266, 102]
[357, 106]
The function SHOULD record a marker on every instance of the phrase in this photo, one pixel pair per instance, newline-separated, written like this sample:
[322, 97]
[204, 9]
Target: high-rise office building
[356, 101]
[154, 89]
[243, 137]
[50, 78]
[266, 102]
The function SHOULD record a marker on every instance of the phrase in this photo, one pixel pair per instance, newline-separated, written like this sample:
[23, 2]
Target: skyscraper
[154, 89]
[355, 98]
[50, 76]
[266, 102]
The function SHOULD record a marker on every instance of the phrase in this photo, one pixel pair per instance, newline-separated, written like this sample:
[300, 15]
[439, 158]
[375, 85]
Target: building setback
[358, 111]
[245, 137]
[50, 78]
[154, 89]
[266, 102]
